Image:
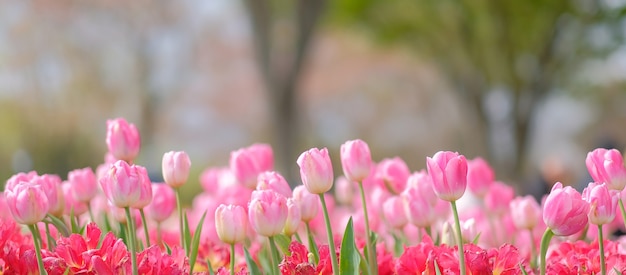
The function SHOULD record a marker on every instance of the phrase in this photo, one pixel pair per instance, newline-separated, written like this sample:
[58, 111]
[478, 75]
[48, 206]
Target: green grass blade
[187, 234]
[283, 243]
[60, 225]
[253, 268]
[349, 257]
[195, 243]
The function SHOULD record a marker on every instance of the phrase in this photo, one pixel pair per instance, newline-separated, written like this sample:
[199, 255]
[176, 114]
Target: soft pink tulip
[72, 205]
[394, 172]
[479, 176]
[356, 160]
[263, 155]
[602, 203]
[245, 167]
[122, 184]
[498, 198]
[210, 178]
[607, 166]
[145, 196]
[231, 223]
[418, 208]
[84, 184]
[316, 170]
[267, 212]
[424, 184]
[163, 202]
[294, 218]
[448, 171]
[525, 211]
[27, 203]
[345, 190]
[51, 185]
[309, 203]
[123, 139]
[564, 211]
[18, 178]
[393, 210]
[274, 181]
[175, 167]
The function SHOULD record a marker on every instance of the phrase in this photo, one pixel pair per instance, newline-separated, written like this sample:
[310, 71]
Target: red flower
[506, 260]
[297, 262]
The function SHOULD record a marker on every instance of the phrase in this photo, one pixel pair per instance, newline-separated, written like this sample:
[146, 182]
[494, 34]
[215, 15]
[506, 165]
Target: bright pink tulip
[274, 181]
[51, 185]
[479, 176]
[498, 198]
[448, 171]
[267, 212]
[424, 184]
[175, 168]
[145, 196]
[18, 178]
[316, 170]
[122, 184]
[602, 203]
[72, 205]
[27, 203]
[345, 190]
[607, 166]
[245, 167]
[294, 217]
[163, 202]
[123, 139]
[263, 155]
[564, 211]
[356, 160]
[84, 184]
[394, 173]
[309, 203]
[525, 211]
[393, 210]
[231, 223]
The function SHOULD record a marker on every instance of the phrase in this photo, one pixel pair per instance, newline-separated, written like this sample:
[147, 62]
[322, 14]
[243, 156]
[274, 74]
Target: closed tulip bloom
[309, 203]
[356, 160]
[245, 167]
[602, 203]
[394, 174]
[51, 186]
[525, 212]
[498, 198]
[564, 210]
[145, 196]
[84, 184]
[27, 203]
[163, 202]
[417, 207]
[72, 205]
[19, 178]
[122, 184]
[267, 212]
[294, 217]
[263, 155]
[316, 170]
[274, 181]
[607, 166]
[344, 190]
[448, 171]
[175, 168]
[393, 210]
[123, 139]
[424, 184]
[231, 223]
[479, 176]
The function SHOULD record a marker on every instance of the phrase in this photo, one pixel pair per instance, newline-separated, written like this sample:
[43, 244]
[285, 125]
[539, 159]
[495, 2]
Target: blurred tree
[280, 58]
[523, 49]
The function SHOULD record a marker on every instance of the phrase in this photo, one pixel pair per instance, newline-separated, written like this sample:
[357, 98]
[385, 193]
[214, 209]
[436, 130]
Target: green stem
[533, 249]
[298, 237]
[545, 242]
[145, 227]
[428, 231]
[459, 238]
[621, 207]
[275, 260]
[180, 221]
[370, 247]
[51, 242]
[312, 244]
[331, 242]
[91, 212]
[131, 239]
[232, 259]
[37, 242]
[601, 244]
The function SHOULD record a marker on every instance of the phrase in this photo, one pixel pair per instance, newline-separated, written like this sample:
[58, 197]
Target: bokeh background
[531, 86]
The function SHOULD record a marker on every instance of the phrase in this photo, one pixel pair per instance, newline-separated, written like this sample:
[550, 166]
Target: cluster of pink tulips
[381, 219]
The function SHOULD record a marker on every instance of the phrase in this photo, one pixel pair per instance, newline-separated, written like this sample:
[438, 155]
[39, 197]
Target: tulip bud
[417, 208]
[274, 181]
[479, 176]
[525, 212]
[602, 203]
[448, 171]
[356, 160]
[27, 203]
[84, 184]
[121, 184]
[394, 174]
[498, 198]
[316, 170]
[175, 168]
[564, 211]
[72, 205]
[263, 156]
[344, 190]
[231, 223]
[51, 186]
[163, 202]
[307, 202]
[294, 217]
[145, 196]
[393, 210]
[607, 166]
[123, 139]
[267, 212]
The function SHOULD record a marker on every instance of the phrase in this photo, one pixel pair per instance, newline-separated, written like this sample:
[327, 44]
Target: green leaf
[167, 248]
[437, 271]
[397, 245]
[209, 267]
[283, 243]
[363, 267]
[312, 245]
[74, 222]
[60, 225]
[475, 241]
[522, 269]
[195, 243]
[186, 233]
[253, 268]
[349, 257]
[614, 269]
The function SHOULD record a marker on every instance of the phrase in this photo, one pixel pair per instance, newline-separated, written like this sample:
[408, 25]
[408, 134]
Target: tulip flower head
[123, 139]
[294, 217]
[448, 171]
[308, 203]
[231, 223]
[602, 203]
[84, 184]
[525, 212]
[394, 174]
[175, 168]
[274, 181]
[564, 210]
[163, 202]
[122, 184]
[356, 160]
[267, 212]
[607, 166]
[316, 170]
[27, 203]
[479, 176]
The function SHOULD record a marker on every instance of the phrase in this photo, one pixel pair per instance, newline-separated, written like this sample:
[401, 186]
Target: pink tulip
[418, 209]
[356, 160]
[163, 202]
[27, 203]
[123, 139]
[18, 178]
[448, 171]
[294, 217]
[274, 181]
[564, 210]
[211, 177]
[245, 167]
[308, 203]
[145, 196]
[72, 205]
[498, 198]
[525, 211]
[393, 210]
[175, 167]
[344, 190]
[479, 176]
[51, 185]
[424, 184]
[231, 223]
[263, 155]
[394, 173]
[122, 184]
[267, 212]
[602, 203]
[316, 170]
[84, 184]
[607, 166]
